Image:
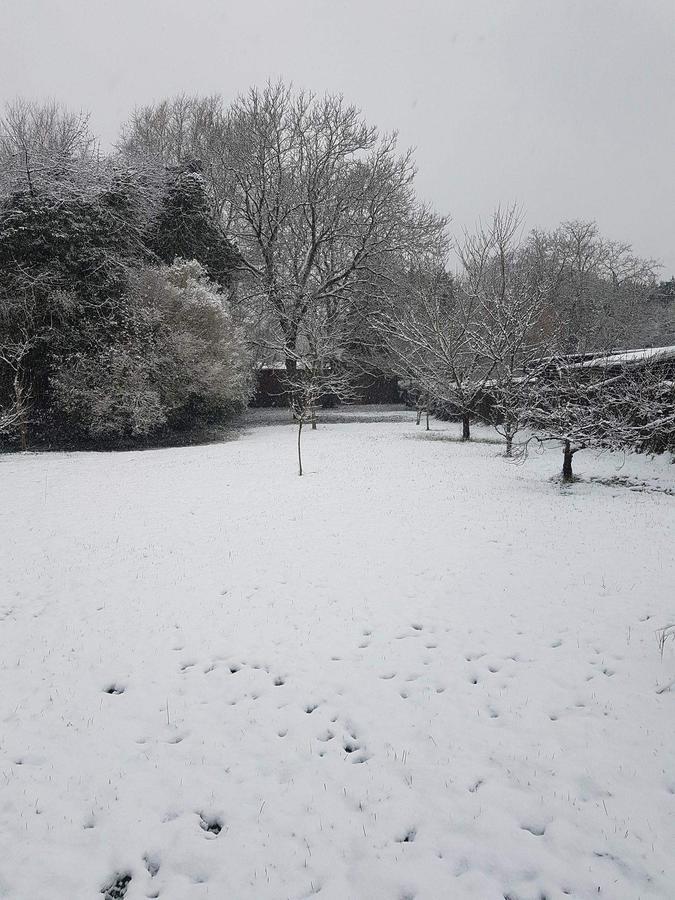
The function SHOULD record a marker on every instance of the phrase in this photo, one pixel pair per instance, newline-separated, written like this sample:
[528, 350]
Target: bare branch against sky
[565, 106]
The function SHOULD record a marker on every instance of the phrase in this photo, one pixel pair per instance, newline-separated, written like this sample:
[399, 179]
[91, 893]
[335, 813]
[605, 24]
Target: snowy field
[418, 672]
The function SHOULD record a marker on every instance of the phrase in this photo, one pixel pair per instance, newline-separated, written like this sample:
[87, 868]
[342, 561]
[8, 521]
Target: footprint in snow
[211, 824]
[117, 888]
[408, 837]
[151, 864]
[536, 830]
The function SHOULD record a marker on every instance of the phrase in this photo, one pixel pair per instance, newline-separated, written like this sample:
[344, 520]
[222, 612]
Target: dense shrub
[100, 342]
[178, 363]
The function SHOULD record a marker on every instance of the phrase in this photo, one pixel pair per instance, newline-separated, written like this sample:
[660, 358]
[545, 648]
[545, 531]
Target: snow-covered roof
[627, 357]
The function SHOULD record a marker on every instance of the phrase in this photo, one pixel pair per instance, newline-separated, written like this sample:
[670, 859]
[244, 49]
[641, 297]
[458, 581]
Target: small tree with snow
[429, 336]
[320, 372]
[603, 405]
[514, 328]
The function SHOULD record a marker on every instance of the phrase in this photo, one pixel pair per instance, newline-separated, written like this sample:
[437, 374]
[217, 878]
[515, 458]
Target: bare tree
[514, 328]
[618, 402]
[321, 204]
[43, 143]
[431, 337]
[599, 287]
[322, 370]
[28, 125]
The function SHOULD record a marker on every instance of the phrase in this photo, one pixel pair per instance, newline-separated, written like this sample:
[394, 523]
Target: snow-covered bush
[176, 361]
[110, 395]
[201, 363]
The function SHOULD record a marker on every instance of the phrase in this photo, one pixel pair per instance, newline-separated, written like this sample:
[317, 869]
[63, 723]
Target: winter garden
[439, 664]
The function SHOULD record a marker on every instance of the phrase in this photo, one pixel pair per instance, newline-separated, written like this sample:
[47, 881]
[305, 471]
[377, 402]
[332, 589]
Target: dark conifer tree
[186, 228]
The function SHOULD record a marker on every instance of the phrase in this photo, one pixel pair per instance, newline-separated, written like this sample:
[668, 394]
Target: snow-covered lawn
[419, 672]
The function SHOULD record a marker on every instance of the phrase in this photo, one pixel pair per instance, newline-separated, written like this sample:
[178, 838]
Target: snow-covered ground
[419, 672]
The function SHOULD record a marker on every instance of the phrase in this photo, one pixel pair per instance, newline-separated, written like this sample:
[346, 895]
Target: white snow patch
[418, 671]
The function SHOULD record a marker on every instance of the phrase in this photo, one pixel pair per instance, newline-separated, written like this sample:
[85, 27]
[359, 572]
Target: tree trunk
[291, 365]
[23, 432]
[19, 400]
[568, 453]
[427, 411]
[466, 427]
[299, 451]
[510, 429]
[313, 419]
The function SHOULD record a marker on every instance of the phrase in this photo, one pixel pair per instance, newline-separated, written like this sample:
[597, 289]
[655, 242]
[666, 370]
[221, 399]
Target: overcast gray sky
[565, 106]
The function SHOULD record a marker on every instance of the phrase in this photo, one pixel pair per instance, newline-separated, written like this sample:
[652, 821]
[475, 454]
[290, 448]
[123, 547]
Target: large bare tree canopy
[48, 127]
[44, 144]
[321, 202]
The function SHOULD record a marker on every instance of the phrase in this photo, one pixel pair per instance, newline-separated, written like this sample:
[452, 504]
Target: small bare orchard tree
[429, 332]
[514, 329]
[319, 372]
[610, 404]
